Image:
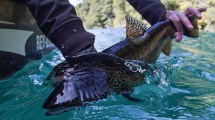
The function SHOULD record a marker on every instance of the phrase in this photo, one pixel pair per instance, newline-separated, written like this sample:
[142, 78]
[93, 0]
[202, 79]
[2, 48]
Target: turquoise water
[189, 93]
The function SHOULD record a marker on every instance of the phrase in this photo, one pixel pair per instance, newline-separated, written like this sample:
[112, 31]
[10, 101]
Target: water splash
[154, 74]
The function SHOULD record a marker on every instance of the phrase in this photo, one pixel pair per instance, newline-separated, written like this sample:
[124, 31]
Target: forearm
[151, 10]
[58, 21]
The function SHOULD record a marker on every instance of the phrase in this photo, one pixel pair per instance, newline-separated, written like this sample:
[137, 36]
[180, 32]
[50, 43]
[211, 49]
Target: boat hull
[20, 38]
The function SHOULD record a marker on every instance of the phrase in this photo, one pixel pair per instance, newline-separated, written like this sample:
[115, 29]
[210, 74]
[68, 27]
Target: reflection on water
[187, 90]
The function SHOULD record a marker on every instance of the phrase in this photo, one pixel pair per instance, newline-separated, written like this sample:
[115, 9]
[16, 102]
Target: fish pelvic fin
[134, 27]
[129, 97]
[167, 47]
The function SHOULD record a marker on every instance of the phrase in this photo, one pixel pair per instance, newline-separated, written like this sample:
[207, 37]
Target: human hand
[179, 18]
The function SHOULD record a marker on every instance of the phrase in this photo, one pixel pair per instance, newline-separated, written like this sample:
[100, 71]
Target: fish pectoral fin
[167, 47]
[129, 97]
[127, 94]
[84, 86]
[134, 27]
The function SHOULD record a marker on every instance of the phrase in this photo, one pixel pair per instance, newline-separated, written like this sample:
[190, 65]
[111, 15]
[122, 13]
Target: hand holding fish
[179, 18]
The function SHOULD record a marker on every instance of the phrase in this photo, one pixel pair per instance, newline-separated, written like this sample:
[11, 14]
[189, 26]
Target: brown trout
[146, 45]
[116, 70]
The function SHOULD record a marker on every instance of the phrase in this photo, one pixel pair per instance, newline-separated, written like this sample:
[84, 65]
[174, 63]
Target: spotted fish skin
[146, 45]
[91, 77]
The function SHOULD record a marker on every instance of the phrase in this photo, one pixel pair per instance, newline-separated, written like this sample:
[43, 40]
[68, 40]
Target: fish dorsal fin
[134, 27]
[167, 47]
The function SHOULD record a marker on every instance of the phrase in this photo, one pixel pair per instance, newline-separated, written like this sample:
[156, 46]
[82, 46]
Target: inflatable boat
[20, 38]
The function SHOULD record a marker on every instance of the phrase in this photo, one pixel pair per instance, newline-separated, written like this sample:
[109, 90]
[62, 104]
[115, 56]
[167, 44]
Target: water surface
[189, 93]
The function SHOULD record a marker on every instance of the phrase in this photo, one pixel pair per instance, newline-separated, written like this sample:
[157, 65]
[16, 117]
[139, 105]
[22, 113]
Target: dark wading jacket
[58, 21]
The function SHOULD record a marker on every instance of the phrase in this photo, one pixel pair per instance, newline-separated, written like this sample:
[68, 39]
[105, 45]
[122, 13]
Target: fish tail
[192, 33]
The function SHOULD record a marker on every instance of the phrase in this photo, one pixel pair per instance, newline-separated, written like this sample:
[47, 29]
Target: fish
[93, 76]
[146, 45]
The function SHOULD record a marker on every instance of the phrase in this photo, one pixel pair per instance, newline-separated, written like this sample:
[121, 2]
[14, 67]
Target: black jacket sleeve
[58, 21]
[151, 10]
